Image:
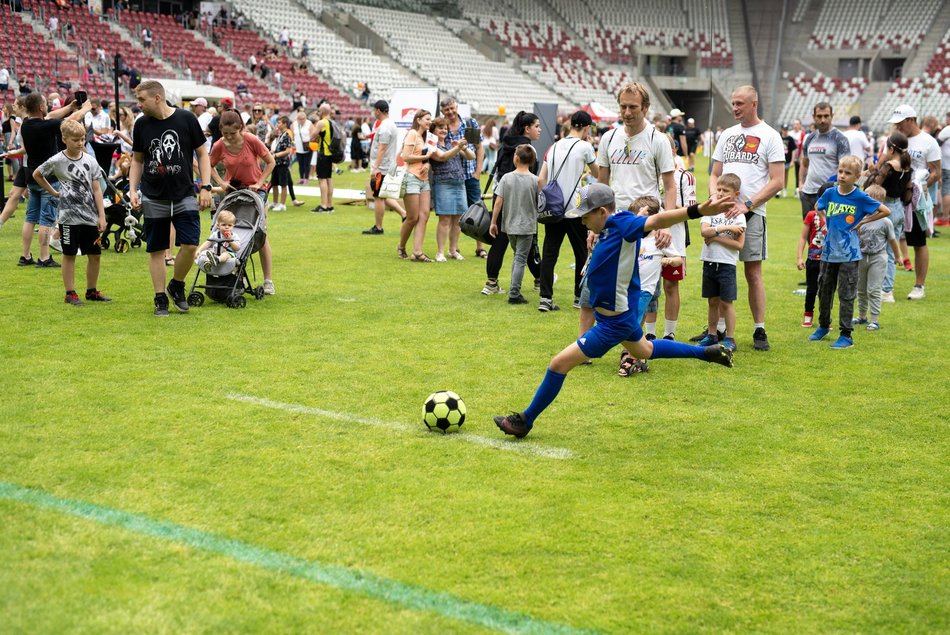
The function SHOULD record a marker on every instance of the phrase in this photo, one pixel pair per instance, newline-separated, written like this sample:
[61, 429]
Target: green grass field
[266, 469]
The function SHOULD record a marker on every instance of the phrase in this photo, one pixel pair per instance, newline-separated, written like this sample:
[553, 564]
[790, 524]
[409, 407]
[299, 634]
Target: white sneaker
[269, 287]
[917, 293]
[888, 296]
[56, 244]
[272, 206]
[440, 258]
[456, 256]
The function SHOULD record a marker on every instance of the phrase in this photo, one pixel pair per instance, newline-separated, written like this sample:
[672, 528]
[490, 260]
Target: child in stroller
[218, 254]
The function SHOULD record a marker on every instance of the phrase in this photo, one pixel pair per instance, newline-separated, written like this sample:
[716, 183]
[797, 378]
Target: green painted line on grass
[362, 582]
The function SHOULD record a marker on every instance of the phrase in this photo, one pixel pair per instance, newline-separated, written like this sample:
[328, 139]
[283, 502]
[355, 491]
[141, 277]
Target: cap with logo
[580, 119]
[590, 198]
[902, 112]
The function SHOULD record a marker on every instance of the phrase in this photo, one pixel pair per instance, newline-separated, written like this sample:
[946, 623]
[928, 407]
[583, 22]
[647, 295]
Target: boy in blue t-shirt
[613, 280]
[845, 209]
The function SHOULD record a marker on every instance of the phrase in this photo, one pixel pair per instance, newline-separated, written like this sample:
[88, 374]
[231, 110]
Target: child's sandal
[481, 253]
[626, 365]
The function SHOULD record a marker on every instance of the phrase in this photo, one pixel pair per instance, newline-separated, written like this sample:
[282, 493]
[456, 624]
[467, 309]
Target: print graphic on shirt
[625, 155]
[74, 192]
[742, 148]
[834, 209]
[162, 151]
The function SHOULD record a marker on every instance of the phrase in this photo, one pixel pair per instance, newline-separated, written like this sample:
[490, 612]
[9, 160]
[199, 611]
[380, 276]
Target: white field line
[521, 447]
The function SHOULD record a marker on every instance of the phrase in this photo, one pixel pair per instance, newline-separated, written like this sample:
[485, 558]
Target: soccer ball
[444, 411]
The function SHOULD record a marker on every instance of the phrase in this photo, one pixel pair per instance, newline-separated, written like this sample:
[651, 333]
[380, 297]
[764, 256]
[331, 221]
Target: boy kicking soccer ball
[613, 281]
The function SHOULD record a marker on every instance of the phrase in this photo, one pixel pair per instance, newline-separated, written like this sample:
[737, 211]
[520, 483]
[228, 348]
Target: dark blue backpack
[551, 201]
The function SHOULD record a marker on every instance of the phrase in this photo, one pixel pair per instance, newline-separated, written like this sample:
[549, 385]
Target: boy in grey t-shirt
[517, 195]
[81, 210]
[873, 238]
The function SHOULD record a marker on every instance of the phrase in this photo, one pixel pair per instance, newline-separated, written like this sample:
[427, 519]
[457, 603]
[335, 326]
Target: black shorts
[719, 281]
[324, 167]
[158, 230]
[280, 177]
[19, 179]
[76, 237]
[916, 237]
[376, 182]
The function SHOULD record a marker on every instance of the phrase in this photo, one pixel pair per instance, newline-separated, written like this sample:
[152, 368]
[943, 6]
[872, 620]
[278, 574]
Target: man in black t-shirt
[41, 140]
[164, 141]
[692, 134]
[677, 130]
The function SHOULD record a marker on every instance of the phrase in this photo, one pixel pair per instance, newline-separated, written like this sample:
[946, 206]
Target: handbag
[551, 201]
[476, 220]
[394, 185]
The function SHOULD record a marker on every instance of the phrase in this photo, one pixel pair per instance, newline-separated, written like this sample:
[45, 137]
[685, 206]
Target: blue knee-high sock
[545, 394]
[669, 348]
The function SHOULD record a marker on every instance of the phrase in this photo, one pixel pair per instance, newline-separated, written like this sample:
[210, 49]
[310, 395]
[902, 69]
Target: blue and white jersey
[613, 277]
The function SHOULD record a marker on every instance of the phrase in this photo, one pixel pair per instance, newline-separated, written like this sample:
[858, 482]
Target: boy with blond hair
[846, 209]
[873, 238]
[82, 214]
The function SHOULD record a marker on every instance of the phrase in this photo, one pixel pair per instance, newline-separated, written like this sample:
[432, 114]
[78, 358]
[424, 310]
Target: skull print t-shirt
[76, 203]
[167, 147]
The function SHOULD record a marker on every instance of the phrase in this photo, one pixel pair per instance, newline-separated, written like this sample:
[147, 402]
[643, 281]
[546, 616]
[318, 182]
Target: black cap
[382, 105]
[854, 121]
[580, 119]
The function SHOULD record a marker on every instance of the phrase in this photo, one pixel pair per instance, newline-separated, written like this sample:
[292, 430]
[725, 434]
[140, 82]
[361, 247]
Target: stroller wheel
[121, 246]
[259, 293]
[240, 302]
[196, 298]
[137, 242]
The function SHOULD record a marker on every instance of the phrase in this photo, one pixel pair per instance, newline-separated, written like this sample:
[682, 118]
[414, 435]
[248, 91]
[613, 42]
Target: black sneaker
[514, 424]
[518, 299]
[577, 302]
[719, 354]
[373, 231]
[177, 292]
[161, 305]
[670, 336]
[760, 340]
[26, 262]
[73, 298]
[49, 263]
[650, 337]
[95, 295]
[546, 305]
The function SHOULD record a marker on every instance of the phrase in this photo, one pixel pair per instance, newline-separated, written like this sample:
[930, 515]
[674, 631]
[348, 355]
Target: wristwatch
[749, 205]
[206, 188]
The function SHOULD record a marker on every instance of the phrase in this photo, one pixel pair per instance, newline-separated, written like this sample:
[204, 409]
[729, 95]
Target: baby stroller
[250, 231]
[124, 223]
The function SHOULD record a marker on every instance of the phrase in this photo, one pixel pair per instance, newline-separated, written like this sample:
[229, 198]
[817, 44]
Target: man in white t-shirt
[97, 121]
[4, 81]
[753, 151]
[858, 140]
[925, 163]
[635, 159]
[382, 158]
[566, 162]
[200, 108]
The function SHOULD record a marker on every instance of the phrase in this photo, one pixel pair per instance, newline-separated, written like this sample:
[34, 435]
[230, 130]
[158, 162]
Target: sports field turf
[266, 469]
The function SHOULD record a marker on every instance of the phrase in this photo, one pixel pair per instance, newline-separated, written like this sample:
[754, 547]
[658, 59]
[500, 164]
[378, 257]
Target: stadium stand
[183, 48]
[432, 50]
[333, 58]
[872, 24]
[805, 92]
[42, 64]
[242, 43]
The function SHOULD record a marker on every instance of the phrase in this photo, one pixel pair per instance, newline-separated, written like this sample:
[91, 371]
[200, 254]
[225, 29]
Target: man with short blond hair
[754, 151]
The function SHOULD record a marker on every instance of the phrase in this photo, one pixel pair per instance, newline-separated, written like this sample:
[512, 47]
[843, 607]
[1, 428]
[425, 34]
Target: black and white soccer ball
[443, 411]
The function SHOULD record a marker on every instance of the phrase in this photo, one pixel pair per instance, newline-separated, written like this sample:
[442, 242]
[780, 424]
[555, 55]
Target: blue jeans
[521, 244]
[473, 190]
[42, 208]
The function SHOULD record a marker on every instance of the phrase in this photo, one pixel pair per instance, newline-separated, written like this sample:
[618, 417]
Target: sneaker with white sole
[917, 293]
[269, 287]
[441, 258]
[491, 288]
[888, 296]
[546, 305]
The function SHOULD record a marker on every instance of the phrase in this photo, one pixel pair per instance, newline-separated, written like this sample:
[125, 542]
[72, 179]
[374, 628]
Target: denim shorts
[415, 185]
[945, 182]
[609, 331]
[42, 208]
[450, 198]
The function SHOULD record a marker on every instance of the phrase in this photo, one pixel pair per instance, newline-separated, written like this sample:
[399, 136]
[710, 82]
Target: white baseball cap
[676, 112]
[201, 101]
[902, 112]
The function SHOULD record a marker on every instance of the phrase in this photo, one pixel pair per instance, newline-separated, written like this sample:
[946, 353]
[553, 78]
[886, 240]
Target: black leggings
[812, 267]
[496, 255]
[554, 234]
[303, 162]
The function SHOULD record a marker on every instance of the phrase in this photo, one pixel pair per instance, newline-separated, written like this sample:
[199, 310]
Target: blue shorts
[42, 208]
[609, 331]
[719, 281]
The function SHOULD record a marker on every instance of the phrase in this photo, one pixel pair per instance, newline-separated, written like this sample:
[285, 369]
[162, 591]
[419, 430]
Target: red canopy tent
[598, 112]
